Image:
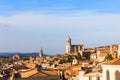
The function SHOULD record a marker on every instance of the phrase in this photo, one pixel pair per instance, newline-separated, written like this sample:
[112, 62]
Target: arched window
[107, 75]
[90, 77]
[117, 75]
[97, 78]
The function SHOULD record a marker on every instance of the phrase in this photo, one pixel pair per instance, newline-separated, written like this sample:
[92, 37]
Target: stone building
[31, 59]
[40, 58]
[73, 48]
[16, 56]
[102, 52]
[97, 53]
[41, 52]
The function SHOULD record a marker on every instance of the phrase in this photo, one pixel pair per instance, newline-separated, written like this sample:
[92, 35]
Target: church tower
[118, 53]
[41, 52]
[68, 45]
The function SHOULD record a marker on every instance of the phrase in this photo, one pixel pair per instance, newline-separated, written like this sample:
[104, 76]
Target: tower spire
[41, 52]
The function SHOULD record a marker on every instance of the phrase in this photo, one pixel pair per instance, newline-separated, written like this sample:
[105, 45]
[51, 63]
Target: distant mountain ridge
[23, 55]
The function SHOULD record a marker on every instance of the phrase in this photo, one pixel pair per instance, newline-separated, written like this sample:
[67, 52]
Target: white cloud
[77, 19]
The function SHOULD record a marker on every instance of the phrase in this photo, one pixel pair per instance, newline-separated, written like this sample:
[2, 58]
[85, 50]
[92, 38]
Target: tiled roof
[94, 73]
[74, 70]
[115, 61]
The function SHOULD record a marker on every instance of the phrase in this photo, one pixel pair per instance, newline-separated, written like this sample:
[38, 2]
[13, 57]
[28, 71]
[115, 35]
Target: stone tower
[68, 45]
[41, 52]
[118, 53]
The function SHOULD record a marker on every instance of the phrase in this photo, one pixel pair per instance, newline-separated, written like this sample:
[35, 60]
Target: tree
[108, 57]
[63, 60]
[70, 58]
[90, 62]
[78, 57]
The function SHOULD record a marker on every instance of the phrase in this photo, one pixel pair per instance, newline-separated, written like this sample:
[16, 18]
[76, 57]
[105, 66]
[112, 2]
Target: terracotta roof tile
[93, 73]
[115, 61]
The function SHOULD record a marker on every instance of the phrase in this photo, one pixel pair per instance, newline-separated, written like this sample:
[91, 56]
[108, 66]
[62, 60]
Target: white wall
[112, 69]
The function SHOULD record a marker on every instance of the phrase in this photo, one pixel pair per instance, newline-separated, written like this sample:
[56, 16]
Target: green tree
[63, 60]
[90, 62]
[78, 57]
[108, 57]
[70, 58]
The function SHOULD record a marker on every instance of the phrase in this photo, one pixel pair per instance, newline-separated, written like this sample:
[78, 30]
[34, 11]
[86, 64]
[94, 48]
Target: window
[90, 78]
[97, 78]
[107, 75]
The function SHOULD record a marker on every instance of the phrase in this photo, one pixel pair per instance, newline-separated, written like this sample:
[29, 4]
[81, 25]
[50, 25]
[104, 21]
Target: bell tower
[68, 45]
[41, 52]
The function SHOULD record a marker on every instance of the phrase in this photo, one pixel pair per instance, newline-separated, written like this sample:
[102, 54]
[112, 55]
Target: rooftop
[94, 73]
[115, 61]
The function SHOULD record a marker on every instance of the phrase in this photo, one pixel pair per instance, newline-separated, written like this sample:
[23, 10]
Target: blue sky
[26, 25]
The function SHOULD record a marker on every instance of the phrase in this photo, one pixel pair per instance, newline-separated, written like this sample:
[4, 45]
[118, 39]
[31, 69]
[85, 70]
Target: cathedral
[96, 53]
[73, 49]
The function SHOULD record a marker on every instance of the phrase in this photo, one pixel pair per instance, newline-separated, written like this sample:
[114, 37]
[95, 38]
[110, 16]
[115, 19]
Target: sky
[26, 25]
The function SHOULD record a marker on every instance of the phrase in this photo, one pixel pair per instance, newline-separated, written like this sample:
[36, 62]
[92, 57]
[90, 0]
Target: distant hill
[23, 55]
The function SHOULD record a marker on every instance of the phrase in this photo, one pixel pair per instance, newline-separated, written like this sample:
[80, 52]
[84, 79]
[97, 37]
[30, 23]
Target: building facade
[111, 69]
[73, 48]
[16, 56]
[96, 53]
